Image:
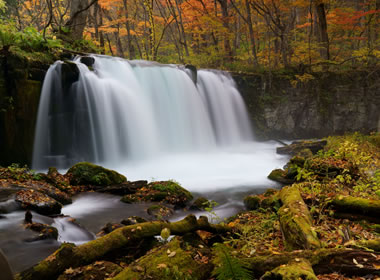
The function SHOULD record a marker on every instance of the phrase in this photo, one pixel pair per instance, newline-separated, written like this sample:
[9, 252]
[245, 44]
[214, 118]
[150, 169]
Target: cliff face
[285, 106]
[20, 87]
[317, 105]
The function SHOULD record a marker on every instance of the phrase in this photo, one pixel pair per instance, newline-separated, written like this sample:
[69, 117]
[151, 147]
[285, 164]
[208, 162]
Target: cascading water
[149, 120]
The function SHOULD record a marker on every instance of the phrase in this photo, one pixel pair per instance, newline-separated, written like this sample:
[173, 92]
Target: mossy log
[296, 222]
[69, 255]
[294, 270]
[356, 205]
[167, 262]
[346, 261]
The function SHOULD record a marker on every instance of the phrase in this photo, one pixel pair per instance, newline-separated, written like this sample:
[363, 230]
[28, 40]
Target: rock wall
[290, 106]
[20, 87]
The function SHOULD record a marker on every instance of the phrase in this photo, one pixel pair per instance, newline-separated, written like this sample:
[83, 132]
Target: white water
[151, 121]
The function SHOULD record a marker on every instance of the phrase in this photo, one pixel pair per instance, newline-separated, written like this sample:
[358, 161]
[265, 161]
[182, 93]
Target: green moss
[279, 175]
[171, 187]
[85, 173]
[252, 202]
[295, 270]
[296, 222]
[357, 205]
[167, 262]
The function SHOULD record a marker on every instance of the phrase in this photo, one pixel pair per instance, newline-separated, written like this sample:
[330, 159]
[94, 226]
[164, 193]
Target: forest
[242, 35]
[189, 139]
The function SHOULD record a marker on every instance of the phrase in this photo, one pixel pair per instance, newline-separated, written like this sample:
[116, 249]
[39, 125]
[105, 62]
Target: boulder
[85, 173]
[124, 188]
[160, 211]
[252, 202]
[199, 204]
[168, 192]
[45, 231]
[69, 73]
[87, 60]
[41, 203]
[298, 146]
[281, 176]
[133, 220]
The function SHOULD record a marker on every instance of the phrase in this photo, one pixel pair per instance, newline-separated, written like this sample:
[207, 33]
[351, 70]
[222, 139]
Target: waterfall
[133, 110]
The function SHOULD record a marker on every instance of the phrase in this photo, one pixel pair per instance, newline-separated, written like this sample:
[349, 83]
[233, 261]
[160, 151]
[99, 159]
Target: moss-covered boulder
[85, 173]
[297, 146]
[280, 175]
[171, 261]
[41, 203]
[252, 202]
[169, 192]
[200, 204]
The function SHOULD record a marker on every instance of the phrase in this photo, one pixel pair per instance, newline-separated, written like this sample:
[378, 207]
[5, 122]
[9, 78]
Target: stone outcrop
[285, 105]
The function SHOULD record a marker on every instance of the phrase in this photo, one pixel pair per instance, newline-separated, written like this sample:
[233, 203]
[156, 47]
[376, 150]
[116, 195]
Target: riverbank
[326, 218]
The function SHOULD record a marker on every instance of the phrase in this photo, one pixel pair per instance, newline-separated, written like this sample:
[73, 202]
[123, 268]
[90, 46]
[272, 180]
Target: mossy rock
[296, 147]
[97, 271]
[168, 192]
[252, 202]
[200, 203]
[160, 211]
[85, 173]
[280, 175]
[168, 262]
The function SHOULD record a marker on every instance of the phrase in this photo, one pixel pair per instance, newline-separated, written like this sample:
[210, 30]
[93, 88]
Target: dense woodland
[232, 34]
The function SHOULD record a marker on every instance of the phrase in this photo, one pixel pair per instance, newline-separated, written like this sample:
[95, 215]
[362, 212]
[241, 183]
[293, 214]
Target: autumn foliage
[234, 34]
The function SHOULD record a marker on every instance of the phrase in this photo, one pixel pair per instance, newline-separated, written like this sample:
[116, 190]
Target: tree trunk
[322, 30]
[227, 46]
[78, 18]
[69, 255]
[296, 222]
[131, 49]
[251, 34]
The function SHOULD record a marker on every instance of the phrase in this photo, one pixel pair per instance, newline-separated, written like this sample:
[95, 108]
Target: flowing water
[151, 121]
[147, 121]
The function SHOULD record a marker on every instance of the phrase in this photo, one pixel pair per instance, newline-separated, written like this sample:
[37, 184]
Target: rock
[252, 202]
[163, 191]
[28, 217]
[133, 220]
[194, 73]
[87, 60]
[296, 147]
[69, 73]
[45, 231]
[85, 173]
[124, 188]
[108, 228]
[280, 176]
[41, 203]
[97, 271]
[199, 204]
[160, 211]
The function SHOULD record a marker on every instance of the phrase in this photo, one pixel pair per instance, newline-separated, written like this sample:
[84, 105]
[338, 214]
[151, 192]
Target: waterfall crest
[122, 110]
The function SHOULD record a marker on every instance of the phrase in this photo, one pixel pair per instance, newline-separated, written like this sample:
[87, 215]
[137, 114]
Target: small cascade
[134, 110]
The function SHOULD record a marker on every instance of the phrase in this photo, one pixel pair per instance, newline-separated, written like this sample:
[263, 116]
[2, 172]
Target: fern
[228, 267]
